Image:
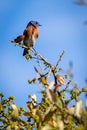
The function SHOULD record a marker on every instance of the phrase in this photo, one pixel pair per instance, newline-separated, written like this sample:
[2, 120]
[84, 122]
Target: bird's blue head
[34, 23]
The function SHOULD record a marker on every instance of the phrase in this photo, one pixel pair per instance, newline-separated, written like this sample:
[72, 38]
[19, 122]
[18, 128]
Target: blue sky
[62, 29]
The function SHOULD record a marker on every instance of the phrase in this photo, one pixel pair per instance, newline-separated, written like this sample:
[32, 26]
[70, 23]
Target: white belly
[29, 41]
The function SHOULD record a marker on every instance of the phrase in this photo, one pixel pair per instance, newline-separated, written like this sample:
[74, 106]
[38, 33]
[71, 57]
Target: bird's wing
[19, 39]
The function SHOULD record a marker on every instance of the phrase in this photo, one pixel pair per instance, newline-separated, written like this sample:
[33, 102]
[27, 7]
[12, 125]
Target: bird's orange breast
[31, 31]
[31, 34]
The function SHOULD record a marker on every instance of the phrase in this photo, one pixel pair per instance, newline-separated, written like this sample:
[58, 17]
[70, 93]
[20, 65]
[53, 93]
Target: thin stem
[60, 58]
[40, 57]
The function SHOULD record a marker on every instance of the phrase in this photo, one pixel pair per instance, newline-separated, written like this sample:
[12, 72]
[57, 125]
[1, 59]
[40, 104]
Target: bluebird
[29, 36]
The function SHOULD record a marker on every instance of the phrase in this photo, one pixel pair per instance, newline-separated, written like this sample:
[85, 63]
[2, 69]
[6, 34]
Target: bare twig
[37, 71]
[49, 73]
[21, 45]
[41, 58]
[67, 85]
[60, 58]
[38, 56]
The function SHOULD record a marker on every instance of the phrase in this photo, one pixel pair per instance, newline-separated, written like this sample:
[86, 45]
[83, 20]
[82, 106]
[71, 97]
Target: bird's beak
[40, 25]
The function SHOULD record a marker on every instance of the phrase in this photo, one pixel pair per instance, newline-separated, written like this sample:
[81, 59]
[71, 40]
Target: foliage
[56, 111]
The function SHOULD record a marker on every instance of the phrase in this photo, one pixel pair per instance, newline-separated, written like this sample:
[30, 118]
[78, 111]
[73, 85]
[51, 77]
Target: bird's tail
[25, 52]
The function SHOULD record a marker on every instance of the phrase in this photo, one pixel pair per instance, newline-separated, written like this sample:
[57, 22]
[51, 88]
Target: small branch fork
[37, 56]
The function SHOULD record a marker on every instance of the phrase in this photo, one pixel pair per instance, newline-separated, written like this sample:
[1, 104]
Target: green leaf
[28, 56]
[1, 95]
[8, 128]
[60, 69]
[58, 102]
[36, 118]
[66, 76]
[84, 89]
[11, 98]
[29, 81]
[47, 127]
